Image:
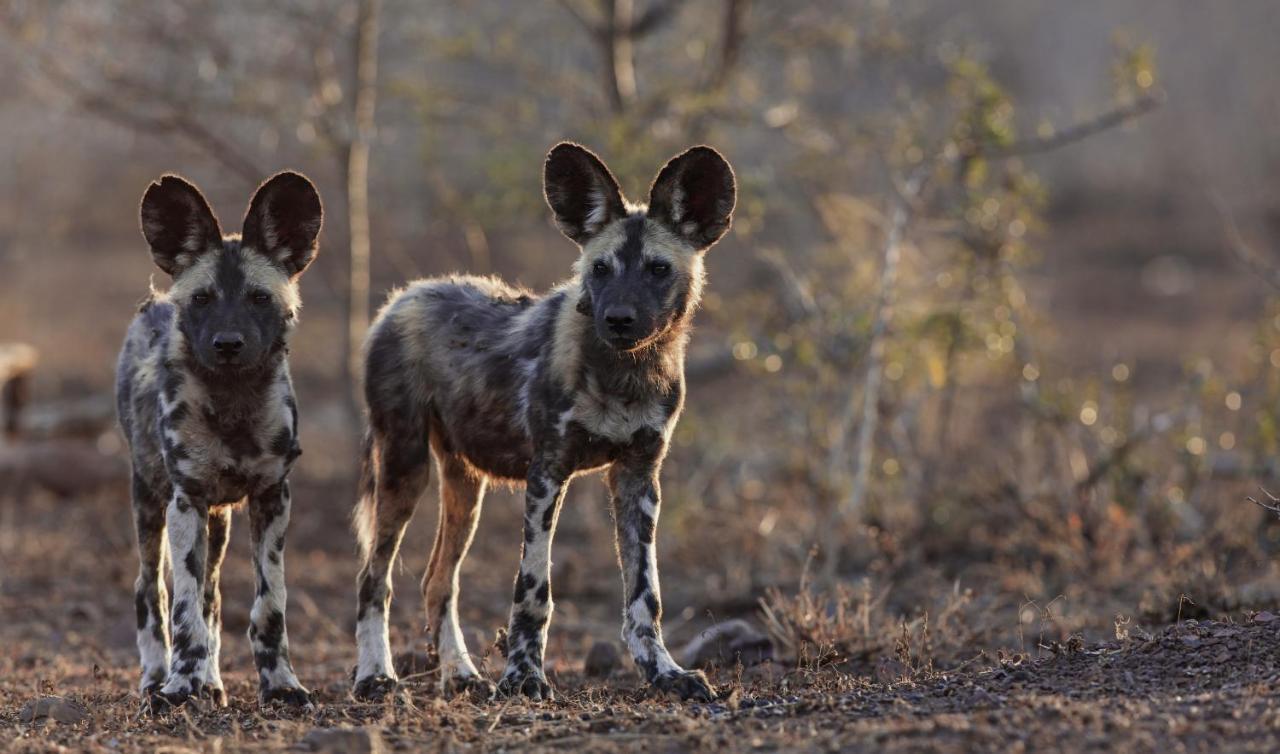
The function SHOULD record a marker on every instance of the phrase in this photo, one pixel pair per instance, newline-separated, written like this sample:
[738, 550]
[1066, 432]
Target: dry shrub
[852, 628]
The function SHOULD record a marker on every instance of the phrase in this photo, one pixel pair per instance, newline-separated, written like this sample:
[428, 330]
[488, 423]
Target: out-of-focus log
[65, 468]
[16, 362]
[85, 418]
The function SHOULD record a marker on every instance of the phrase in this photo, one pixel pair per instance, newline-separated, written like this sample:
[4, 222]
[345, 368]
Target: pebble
[602, 659]
[344, 741]
[52, 708]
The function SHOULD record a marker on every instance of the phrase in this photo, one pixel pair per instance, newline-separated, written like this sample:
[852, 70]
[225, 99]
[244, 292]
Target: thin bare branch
[1156, 427]
[1272, 504]
[172, 122]
[1117, 116]
[178, 124]
[1264, 269]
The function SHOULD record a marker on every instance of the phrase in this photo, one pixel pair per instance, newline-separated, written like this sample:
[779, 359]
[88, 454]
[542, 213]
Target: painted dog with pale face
[206, 404]
[497, 383]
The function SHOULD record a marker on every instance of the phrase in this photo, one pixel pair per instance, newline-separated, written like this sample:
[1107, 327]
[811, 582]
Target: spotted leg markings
[219, 535]
[375, 675]
[269, 519]
[151, 598]
[188, 551]
[531, 603]
[396, 470]
[636, 500]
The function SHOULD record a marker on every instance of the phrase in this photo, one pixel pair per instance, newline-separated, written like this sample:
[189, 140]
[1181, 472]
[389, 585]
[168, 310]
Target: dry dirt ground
[1199, 686]
[65, 603]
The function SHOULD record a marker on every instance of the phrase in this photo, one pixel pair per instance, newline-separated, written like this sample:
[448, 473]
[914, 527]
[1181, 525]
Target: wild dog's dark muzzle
[620, 319]
[227, 347]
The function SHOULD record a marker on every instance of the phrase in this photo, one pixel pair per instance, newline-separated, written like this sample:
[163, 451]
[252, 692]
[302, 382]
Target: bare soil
[65, 599]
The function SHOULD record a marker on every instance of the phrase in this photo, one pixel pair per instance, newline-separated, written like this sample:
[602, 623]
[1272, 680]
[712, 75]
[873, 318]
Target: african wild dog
[206, 404]
[500, 384]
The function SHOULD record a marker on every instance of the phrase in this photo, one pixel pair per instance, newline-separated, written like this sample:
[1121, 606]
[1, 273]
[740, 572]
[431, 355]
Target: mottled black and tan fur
[498, 383]
[206, 405]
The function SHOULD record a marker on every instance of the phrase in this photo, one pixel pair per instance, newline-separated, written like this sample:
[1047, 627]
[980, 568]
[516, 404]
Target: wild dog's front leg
[188, 551]
[150, 596]
[219, 534]
[531, 604]
[269, 518]
[636, 499]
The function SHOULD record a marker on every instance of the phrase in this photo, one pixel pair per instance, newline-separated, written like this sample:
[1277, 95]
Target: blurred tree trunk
[721, 69]
[618, 54]
[615, 35]
[357, 175]
[732, 35]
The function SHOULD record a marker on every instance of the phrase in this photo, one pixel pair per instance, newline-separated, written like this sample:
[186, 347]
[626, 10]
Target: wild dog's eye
[260, 297]
[201, 298]
[659, 269]
[599, 269]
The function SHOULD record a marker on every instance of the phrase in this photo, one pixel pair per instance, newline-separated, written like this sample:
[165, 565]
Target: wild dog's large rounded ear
[283, 222]
[694, 196]
[580, 191]
[178, 224]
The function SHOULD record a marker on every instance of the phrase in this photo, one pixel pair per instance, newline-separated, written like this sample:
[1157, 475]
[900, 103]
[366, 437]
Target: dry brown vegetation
[851, 671]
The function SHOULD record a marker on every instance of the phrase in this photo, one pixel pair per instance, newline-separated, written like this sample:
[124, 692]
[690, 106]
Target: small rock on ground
[602, 659]
[344, 741]
[52, 708]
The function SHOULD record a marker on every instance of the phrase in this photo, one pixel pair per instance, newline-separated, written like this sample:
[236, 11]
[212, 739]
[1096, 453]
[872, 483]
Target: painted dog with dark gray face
[206, 404]
[497, 383]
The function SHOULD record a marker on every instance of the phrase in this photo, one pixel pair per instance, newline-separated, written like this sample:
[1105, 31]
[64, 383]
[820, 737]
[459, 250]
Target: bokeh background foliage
[993, 337]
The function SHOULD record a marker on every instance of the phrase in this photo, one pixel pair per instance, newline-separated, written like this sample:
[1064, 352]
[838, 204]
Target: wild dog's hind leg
[636, 499]
[398, 469]
[461, 493]
[268, 521]
[531, 604]
[150, 596]
[219, 534]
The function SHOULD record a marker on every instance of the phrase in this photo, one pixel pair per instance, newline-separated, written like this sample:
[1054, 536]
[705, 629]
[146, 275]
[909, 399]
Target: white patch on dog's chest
[231, 466]
[614, 418]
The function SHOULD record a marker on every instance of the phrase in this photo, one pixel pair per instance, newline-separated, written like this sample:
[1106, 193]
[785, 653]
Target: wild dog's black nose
[620, 317]
[228, 343]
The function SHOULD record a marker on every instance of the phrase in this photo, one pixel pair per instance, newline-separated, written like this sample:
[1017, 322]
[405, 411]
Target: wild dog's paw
[171, 696]
[216, 695]
[373, 688]
[156, 702]
[289, 696]
[476, 687]
[686, 684]
[525, 681]
[147, 693]
[153, 681]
